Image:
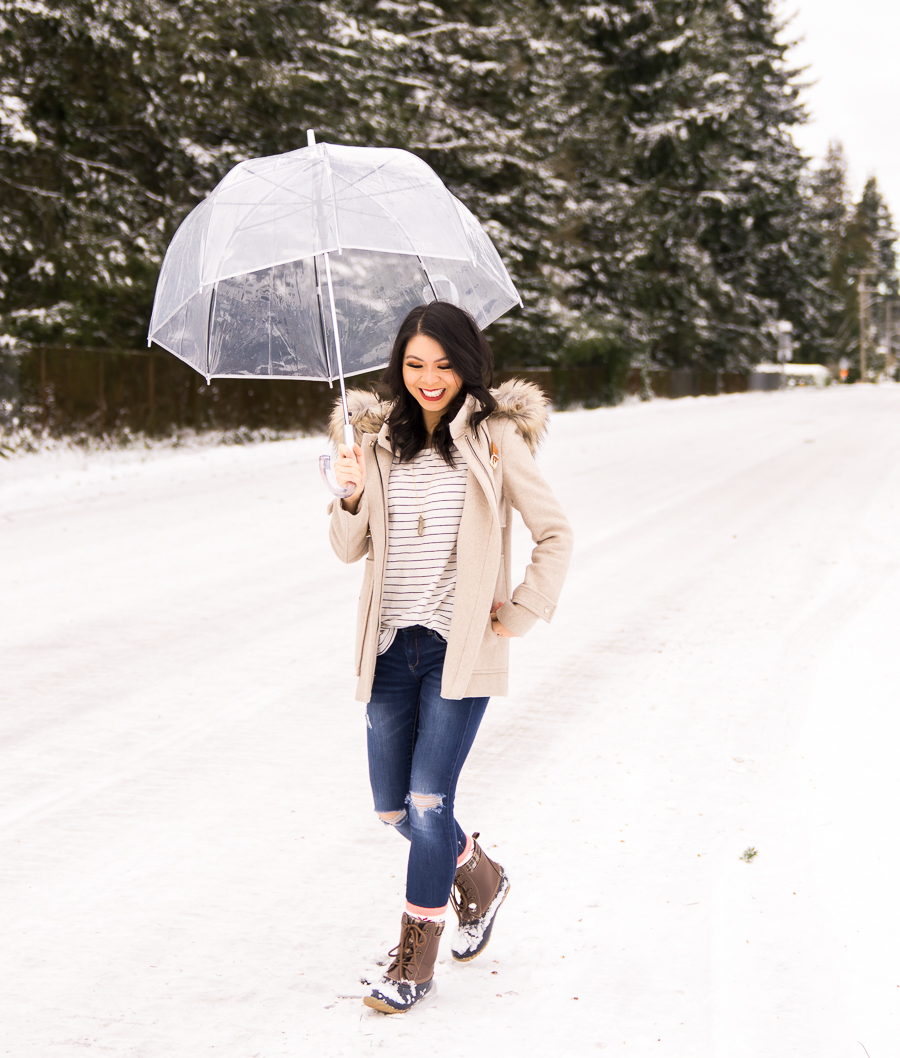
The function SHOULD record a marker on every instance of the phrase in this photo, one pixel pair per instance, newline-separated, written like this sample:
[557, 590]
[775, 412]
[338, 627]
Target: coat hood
[523, 403]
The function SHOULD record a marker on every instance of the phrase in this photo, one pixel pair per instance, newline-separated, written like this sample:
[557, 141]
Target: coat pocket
[494, 653]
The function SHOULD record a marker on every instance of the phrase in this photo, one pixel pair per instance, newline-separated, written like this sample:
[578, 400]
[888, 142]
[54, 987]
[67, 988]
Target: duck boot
[480, 887]
[410, 976]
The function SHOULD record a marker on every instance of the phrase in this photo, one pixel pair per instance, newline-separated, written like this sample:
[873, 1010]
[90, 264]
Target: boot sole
[385, 1008]
[481, 950]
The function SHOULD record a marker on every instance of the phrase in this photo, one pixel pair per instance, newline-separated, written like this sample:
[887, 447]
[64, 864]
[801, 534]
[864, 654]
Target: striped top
[420, 576]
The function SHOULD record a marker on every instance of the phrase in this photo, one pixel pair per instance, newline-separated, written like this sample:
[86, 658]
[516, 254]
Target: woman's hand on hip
[350, 469]
[496, 627]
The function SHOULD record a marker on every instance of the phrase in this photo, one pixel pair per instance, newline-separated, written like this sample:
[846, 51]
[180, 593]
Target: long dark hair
[471, 358]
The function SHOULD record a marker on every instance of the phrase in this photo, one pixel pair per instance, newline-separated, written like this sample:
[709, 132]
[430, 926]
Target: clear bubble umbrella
[302, 265]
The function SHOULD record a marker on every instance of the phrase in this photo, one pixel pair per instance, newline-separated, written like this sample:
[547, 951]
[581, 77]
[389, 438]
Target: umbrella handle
[343, 491]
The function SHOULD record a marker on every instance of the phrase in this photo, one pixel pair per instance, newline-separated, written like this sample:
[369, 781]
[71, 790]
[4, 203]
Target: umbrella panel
[373, 292]
[185, 333]
[269, 323]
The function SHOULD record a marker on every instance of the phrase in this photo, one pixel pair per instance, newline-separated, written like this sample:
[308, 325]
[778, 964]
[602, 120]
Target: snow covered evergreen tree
[719, 243]
[870, 240]
[832, 204]
[859, 238]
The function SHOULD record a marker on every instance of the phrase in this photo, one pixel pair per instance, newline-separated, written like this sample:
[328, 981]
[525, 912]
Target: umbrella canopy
[302, 265]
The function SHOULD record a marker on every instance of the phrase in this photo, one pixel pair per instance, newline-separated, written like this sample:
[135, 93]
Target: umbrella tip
[310, 138]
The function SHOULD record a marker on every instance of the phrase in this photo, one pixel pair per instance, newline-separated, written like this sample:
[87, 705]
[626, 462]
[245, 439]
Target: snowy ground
[188, 861]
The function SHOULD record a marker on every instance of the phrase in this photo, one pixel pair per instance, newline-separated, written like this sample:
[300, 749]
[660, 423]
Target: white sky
[851, 49]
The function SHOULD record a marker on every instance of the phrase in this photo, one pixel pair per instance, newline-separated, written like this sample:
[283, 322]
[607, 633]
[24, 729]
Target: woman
[436, 470]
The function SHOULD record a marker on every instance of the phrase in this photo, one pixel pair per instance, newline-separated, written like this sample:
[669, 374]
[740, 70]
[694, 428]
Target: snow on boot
[411, 975]
[480, 887]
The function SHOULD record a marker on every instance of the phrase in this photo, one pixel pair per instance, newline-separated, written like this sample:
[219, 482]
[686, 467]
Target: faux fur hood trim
[523, 403]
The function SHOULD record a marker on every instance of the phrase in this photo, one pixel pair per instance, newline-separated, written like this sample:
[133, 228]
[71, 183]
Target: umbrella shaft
[337, 348]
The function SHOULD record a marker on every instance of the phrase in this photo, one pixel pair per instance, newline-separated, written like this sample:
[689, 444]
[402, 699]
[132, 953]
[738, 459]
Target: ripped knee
[426, 802]
[393, 819]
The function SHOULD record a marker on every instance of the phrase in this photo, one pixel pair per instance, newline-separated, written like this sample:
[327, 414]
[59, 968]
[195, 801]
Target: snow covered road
[188, 860]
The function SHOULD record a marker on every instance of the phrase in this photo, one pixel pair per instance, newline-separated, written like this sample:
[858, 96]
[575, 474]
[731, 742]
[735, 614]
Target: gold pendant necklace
[421, 505]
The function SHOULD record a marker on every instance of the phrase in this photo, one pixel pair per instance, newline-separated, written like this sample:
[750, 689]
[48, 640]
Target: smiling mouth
[432, 394]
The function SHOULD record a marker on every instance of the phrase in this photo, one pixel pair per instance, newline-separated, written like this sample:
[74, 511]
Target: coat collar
[518, 401]
[460, 422]
[458, 426]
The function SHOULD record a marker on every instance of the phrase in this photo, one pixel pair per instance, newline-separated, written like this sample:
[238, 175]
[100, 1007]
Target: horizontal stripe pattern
[420, 575]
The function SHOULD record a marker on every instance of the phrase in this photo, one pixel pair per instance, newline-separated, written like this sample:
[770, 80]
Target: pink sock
[466, 852]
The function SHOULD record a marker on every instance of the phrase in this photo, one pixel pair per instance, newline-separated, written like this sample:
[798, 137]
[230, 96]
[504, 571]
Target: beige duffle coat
[477, 660]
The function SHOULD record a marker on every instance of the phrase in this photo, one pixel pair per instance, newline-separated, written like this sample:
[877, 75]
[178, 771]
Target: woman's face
[428, 376]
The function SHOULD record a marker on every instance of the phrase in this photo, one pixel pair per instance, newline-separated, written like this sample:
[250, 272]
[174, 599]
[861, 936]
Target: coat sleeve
[348, 533]
[527, 491]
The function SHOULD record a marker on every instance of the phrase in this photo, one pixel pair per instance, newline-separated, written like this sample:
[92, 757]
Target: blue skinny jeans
[418, 743]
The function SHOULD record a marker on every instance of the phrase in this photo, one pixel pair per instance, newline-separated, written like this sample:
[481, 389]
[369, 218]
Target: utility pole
[862, 292]
[888, 326]
[862, 326]
[785, 347]
[890, 361]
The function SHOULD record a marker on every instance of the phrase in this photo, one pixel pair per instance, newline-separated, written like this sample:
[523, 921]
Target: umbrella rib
[269, 315]
[252, 206]
[322, 319]
[374, 195]
[377, 169]
[397, 220]
[428, 277]
[274, 187]
[334, 205]
[209, 325]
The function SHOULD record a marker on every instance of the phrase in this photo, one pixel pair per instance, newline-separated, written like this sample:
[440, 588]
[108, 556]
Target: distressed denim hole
[423, 802]
[393, 819]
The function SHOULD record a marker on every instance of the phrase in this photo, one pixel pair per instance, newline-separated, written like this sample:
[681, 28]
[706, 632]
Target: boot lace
[404, 955]
[462, 895]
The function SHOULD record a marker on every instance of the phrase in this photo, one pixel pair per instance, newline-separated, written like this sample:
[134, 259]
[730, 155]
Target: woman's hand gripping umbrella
[350, 473]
